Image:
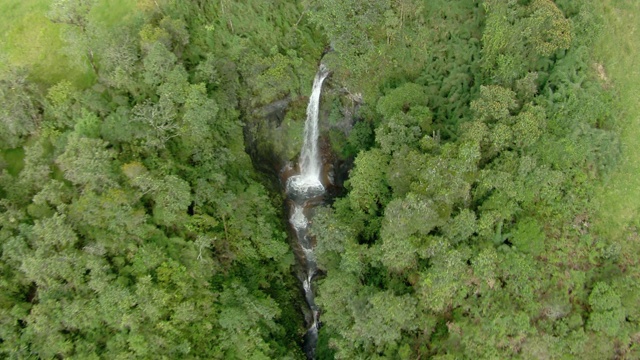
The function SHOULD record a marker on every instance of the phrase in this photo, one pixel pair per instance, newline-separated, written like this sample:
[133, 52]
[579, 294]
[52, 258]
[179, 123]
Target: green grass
[28, 39]
[618, 200]
[113, 12]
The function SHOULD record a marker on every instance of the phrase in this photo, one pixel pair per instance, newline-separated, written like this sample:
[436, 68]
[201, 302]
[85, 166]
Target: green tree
[529, 237]
[159, 122]
[368, 185]
[495, 104]
[172, 198]
[405, 223]
[402, 99]
[351, 26]
[84, 35]
[441, 287]
[242, 314]
[19, 115]
[607, 314]
[87, 162]
[384, 319]
[516, 36]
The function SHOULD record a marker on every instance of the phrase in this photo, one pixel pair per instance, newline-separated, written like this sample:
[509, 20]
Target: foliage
[133, 223]
[136, 225]
[475, 196]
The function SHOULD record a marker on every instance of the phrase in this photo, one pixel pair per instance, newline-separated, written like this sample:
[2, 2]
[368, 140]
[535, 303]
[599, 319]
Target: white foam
[297, 219]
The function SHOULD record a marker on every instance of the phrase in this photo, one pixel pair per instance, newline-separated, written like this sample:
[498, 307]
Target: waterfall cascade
[302, 190]
[307, 184]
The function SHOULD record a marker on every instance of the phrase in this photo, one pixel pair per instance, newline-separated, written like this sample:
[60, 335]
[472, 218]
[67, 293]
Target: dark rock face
[273, 113]
[258, 129]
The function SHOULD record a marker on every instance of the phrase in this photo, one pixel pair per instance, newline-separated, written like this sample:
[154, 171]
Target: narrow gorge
[305, 191]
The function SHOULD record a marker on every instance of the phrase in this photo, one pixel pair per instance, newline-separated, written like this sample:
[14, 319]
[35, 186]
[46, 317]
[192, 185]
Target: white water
[301, 188]
[310, 162]
[308, 182]
[298, 220]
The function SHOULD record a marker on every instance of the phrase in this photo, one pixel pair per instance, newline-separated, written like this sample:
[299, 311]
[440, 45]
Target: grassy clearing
[113, 12]
[618, 200]
[28, 39]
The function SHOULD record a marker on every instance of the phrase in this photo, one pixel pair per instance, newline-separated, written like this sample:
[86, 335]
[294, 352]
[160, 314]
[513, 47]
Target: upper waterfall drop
[310, 163]
[308, 182]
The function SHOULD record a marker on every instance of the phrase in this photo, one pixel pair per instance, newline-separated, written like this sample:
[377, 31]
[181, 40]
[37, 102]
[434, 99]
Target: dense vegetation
[133, 223]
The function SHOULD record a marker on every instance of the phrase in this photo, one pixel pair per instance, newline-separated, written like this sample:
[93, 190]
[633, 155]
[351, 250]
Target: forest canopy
[141, 215]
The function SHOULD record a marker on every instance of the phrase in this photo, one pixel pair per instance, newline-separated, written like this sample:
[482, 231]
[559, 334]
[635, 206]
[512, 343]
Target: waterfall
[303, 191]
[308, 182]
[310, 163]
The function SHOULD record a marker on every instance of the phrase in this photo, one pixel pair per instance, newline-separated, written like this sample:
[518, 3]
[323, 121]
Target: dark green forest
[141, 215]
